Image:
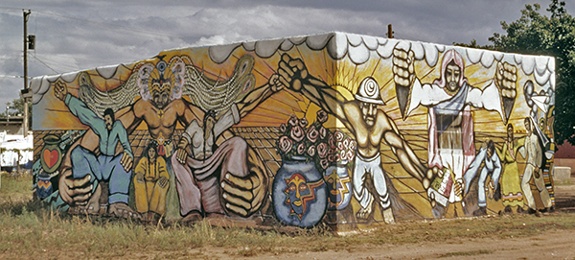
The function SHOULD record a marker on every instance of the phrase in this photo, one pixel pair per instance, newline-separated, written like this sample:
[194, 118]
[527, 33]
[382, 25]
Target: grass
[28, 229]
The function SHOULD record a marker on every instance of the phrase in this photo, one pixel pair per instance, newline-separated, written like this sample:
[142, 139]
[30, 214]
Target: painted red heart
[50, 157]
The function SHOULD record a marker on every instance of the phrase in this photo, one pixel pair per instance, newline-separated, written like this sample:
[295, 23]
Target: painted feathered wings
[181, 77]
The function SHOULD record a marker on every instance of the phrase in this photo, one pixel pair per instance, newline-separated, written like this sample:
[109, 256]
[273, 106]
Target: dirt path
[559, 244]
[552, 245]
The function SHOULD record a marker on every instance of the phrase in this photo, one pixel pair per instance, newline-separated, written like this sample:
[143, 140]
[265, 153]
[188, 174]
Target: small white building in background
[15, 150]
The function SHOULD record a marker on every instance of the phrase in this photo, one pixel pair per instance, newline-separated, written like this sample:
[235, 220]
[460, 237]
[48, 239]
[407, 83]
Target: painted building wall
[347, 130]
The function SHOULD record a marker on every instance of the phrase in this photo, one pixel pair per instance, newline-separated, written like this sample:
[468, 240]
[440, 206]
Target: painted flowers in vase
[299, 192]
[341, 156]
[341, 148]
[298, 140]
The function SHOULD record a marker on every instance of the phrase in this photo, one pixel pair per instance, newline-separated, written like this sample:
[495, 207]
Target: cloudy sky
[75, 35]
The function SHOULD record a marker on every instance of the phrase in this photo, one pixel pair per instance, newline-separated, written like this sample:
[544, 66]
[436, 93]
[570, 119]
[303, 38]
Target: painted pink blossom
[352, 145]
[322, 132]
[340, 146]
[311, 151]
[332, 142]
[312, 134]
[303, 122]
[350, 156]
[297, 133]
[339, 136]
[293, 120]
[321, 116]
[342, 155]
[324, 163]
[331, 157]
[301, 149]
[285, 144]
[322, 150]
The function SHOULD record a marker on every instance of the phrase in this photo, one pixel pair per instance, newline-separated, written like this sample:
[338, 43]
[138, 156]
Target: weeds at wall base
[30, 229]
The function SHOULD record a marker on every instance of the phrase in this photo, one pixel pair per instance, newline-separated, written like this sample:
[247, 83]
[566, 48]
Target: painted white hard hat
[369, 92]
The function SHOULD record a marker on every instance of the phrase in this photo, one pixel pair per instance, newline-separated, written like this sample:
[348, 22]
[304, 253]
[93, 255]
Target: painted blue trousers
[102, 168]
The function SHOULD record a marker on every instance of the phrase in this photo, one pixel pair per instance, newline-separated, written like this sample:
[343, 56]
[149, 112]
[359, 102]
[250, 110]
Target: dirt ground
[551, 245]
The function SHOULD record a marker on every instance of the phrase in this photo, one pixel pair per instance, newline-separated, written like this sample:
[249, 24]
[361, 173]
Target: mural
[344, 130]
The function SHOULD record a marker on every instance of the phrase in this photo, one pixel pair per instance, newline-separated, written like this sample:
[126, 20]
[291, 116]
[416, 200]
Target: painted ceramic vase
[299, 193]
[51, 155]
[338, 182]
[43, 186]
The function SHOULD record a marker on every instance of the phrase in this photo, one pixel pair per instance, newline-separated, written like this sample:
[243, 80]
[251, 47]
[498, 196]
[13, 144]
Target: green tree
[554, 35]
[474, 44]
[16, 108]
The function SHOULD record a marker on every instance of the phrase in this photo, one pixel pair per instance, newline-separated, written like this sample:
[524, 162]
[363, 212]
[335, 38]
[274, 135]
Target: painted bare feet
[388, 216]
[364, 213]
[191, 218]
[92, 207]
[76, 210]
[122, 210]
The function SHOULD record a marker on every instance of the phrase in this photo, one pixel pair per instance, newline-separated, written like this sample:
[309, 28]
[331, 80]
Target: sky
[74, 35]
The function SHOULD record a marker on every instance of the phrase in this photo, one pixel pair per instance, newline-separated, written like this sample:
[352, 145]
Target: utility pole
[25, 93]
[390, 31]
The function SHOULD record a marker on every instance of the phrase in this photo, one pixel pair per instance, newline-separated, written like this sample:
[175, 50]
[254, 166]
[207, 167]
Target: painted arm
[409, 90]
[164, 176]
[74, 191]
[84, 114]
[200, 136]
[405, 155]
[502, 153]
[123, 138]
[131, 116]
[162, 168]
[227, 120]
[521, 147]
[257, 96]
[127, 159]
[141, 169]
[426, 95]
[187, 112]
[503, 87]
[496, 170]
[487, 98]
[294, 75]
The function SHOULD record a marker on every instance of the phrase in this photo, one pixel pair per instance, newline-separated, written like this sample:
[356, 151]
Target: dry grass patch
[28, 229]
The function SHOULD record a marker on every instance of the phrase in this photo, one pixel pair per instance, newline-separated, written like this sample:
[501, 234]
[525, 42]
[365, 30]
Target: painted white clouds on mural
[358, 49]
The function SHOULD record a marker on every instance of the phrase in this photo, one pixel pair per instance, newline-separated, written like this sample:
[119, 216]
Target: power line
[108, 25]
[11, 76]
[46, 59]
[117, 26]
[5, 9]
[44, 63]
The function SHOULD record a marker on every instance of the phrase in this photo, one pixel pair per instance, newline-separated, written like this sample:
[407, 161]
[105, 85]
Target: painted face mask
[299, 194]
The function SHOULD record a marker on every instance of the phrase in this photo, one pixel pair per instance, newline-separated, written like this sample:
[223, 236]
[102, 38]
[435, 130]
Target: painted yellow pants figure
[151, 183]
